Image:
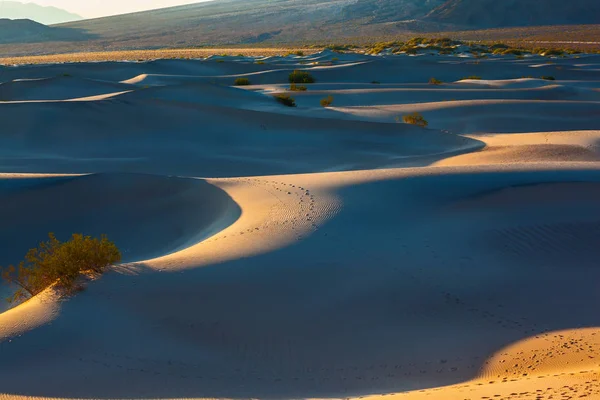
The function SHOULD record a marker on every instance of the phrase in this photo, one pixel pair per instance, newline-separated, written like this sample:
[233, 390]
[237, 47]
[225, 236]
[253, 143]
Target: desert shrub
[376, 82]
[220, 61]
[548, 78]
[434, 81]
[301, 77]
[339, 48]
[415, 119]
[335, 59]
[285, 99]
[299, 53]
[56, 262]
[260, 62]
[297, 88]
[473, 77]
[242, 82]
[327, 101]
[553, 52]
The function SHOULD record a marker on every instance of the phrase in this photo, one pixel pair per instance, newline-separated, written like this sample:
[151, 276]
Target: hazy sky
[99, 8]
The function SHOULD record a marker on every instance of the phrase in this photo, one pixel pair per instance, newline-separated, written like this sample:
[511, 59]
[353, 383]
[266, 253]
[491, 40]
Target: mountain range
[233, 22]
[37, 13]
[253, 21]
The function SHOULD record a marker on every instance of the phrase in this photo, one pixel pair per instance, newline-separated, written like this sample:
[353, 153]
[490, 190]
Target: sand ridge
[304, 252]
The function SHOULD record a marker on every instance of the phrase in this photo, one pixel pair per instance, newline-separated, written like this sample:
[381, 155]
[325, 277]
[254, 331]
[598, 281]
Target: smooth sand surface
[281, 253]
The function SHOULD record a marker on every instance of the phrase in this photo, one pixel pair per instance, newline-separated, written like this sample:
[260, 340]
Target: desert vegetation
[297, 88]
[434, 81]
[285, 99]
[415, 119]
[327, 101]
[60, 263]
[242, 82]
[301, 77]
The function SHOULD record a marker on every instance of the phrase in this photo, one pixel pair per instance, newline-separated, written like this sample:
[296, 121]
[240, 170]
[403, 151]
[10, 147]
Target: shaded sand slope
[57, 88]
[139, 133]
[492, 116]
[392, 69]
[145, 215]
[391, 306]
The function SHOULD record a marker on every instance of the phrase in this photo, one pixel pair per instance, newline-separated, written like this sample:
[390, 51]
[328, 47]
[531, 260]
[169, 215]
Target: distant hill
[34, 12]
[273, 22]
[28, 31]
[506, 13]
[257, 21]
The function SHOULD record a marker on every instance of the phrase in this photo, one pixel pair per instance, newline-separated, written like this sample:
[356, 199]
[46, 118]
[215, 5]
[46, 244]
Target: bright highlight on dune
[332, 225]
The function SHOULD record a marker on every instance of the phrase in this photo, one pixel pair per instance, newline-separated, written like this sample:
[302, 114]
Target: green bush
[242, 82]
[415, 119]
[434, 81]
[327, 101]
[285, 99]
[473, 77]
[301, 77]
[61, 263]
[297, 88]
[548, 78]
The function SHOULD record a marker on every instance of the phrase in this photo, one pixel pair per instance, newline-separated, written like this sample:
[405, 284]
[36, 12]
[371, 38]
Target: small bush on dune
[375, 82]
[472, 77]
[260, 62]
[548, 78]
[242, 82]
[327, 101]
[297, 88]
[434, 81]
[301, 77]
[285, 99]
[61, 263]
[415, 119]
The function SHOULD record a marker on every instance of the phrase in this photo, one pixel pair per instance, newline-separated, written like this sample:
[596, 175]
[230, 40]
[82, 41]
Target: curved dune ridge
[145, 215]
[327, 252]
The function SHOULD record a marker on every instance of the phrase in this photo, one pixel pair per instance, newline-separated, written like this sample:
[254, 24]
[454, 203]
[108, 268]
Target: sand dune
[308, 252]
[57, 88]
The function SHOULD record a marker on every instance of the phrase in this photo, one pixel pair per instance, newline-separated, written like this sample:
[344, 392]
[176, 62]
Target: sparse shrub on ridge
[472, 77]
[301, 77]
[297, 88]
[415, 119]
[242, 82]
[327, 101]
[434, 81]
[61, 263]
[285, 99]
[548, 78]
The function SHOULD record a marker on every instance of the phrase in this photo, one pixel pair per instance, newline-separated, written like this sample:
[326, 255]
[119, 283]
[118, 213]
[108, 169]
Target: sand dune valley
[274, 252]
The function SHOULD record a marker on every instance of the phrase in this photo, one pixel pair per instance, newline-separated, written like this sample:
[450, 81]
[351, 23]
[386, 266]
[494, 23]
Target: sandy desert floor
[282, 253]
